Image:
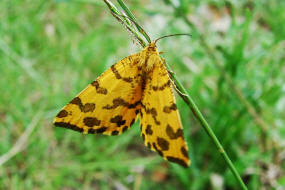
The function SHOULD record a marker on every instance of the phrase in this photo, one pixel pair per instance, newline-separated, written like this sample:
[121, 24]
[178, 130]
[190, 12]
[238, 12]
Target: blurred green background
[233, 67]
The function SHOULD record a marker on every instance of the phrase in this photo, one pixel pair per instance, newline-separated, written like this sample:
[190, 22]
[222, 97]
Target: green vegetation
[233, 67]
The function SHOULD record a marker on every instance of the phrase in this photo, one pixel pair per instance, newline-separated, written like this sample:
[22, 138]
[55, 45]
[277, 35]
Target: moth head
[151, 47]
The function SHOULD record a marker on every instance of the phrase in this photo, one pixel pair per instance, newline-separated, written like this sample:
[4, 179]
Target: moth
[137, 86]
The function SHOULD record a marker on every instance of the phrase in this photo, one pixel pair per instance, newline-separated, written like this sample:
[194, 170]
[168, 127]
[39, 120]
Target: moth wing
[108, 105]
[161, 127]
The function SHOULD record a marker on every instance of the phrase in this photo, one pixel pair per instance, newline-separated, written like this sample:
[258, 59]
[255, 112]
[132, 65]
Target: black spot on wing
[177, 160]
[162, 143]
[118, 119]
[121, 102]
[99, 90]
[68, 126]
[132, 122]
[125, 128]
[91, 131]
[91, 121]
[151, 111]
[184, 151]
[172, 134]
[148, 130]
[162, 87]
[118, 75]
[62, 113]
[115, 133]
[99, 130]
[88, 107]
[157, 150]
[168, 109]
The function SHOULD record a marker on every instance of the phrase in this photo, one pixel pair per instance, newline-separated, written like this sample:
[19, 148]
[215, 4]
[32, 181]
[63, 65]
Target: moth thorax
[153, 59]
[149, 57]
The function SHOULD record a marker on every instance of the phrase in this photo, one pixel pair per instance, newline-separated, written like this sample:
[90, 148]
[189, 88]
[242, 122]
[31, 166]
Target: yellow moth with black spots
[137, 85]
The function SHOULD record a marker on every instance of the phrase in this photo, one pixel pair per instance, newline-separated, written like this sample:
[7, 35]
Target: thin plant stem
[130, 14]
[116, 13]
[251, 110]
[195, 110]
[257, 117]
[191, 104]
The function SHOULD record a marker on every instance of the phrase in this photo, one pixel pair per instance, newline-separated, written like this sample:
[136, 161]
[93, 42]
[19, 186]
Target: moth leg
[170, 72]
[177, 90]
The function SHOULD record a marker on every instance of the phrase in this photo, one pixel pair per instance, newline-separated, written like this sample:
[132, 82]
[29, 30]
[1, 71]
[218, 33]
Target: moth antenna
[170, 35]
